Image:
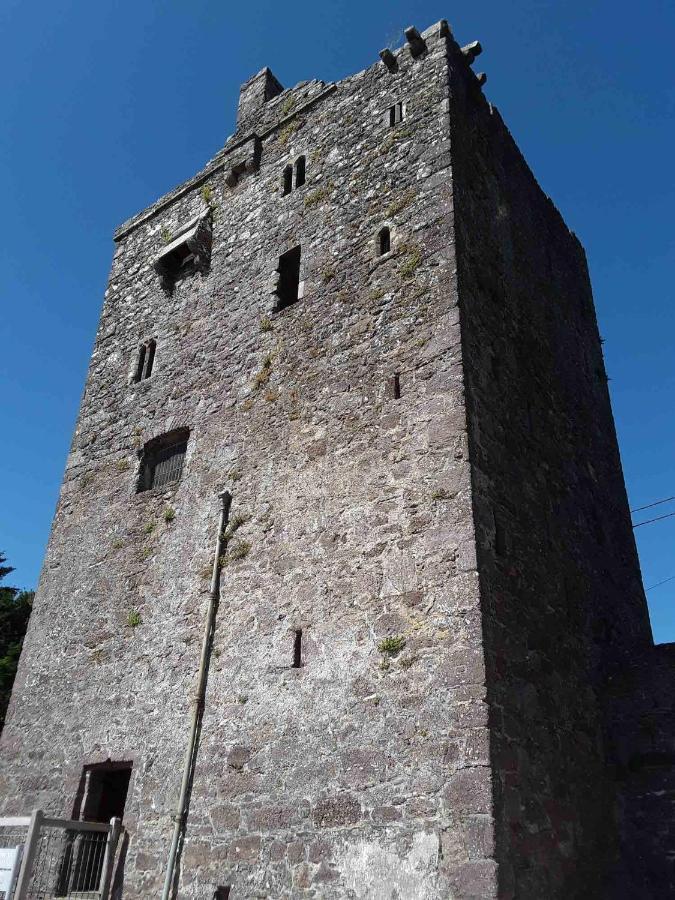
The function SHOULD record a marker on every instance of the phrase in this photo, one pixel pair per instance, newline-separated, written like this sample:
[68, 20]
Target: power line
[649, 505]
[659, 583]
[657, 519]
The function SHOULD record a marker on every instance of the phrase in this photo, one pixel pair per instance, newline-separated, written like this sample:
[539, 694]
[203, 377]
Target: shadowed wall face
[563, 606]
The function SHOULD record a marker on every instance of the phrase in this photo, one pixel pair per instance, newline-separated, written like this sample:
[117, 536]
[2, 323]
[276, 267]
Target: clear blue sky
[109, 104]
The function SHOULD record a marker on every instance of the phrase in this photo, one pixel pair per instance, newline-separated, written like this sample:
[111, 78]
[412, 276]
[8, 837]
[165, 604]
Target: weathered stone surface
[337, 811]
[479, 519]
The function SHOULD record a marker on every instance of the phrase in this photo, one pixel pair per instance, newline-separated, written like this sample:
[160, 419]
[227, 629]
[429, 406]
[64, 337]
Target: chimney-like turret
[254, 93]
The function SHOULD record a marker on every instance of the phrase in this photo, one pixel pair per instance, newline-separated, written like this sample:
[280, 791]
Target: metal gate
[58, 858]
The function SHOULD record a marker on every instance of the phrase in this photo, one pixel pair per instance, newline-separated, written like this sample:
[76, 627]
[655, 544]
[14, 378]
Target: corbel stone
[244, 159]
[389, 59]
[471, 51]
[416, 43]
[482, 78]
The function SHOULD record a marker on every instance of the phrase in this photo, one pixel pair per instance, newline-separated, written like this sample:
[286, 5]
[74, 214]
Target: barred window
[163, 459]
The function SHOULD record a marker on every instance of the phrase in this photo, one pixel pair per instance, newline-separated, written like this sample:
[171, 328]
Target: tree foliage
[15, 607]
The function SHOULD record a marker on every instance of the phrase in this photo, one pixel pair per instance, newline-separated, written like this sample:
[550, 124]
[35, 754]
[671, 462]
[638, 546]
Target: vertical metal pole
[198, 703]
[109, 858]
[29, 850]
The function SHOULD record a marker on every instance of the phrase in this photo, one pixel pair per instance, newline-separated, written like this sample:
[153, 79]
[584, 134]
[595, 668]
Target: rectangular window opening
[297, 649]
[163, 460]
[222, 892]
[396, 386]
[140, 365]
[150, 360]
[395, 114]
[103, 792]
[300, 172]
[289, 278]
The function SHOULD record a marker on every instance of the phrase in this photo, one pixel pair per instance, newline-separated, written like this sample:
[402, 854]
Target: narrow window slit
[297, 648]
[288, 180]
[150, 358]
[300, 172]
[395, 114]
[396, 386]
[140, 365]
[384, 240]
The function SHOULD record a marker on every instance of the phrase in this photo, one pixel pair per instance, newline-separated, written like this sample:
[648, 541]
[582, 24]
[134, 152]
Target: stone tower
[431, 662]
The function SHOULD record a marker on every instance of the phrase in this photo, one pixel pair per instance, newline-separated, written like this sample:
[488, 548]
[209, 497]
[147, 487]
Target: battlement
[254, 93]
[265, 106]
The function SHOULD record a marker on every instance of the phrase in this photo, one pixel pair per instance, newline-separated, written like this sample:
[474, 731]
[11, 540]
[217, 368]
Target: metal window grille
[166, 465]
[62, 858]
[69, 862]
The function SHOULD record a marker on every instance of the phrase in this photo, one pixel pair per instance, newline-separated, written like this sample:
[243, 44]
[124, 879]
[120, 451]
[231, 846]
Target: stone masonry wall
[479, 520]
[642, 757]
[359, 774]
[563, 604]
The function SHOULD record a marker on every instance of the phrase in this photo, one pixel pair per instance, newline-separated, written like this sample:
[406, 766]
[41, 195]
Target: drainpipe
[198, 702]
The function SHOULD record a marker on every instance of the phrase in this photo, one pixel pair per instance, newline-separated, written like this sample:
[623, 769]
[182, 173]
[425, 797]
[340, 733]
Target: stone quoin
[431, 673]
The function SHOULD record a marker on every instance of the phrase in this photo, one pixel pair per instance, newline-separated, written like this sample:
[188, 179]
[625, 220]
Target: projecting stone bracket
[471, 51]
[389, 59]
[189, 246]
[416, 43]
[243, 160]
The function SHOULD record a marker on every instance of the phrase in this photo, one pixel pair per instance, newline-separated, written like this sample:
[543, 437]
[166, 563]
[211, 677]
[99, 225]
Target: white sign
[9, 867]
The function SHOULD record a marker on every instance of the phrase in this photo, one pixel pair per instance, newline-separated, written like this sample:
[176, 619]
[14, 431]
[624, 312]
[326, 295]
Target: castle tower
[366, 325]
